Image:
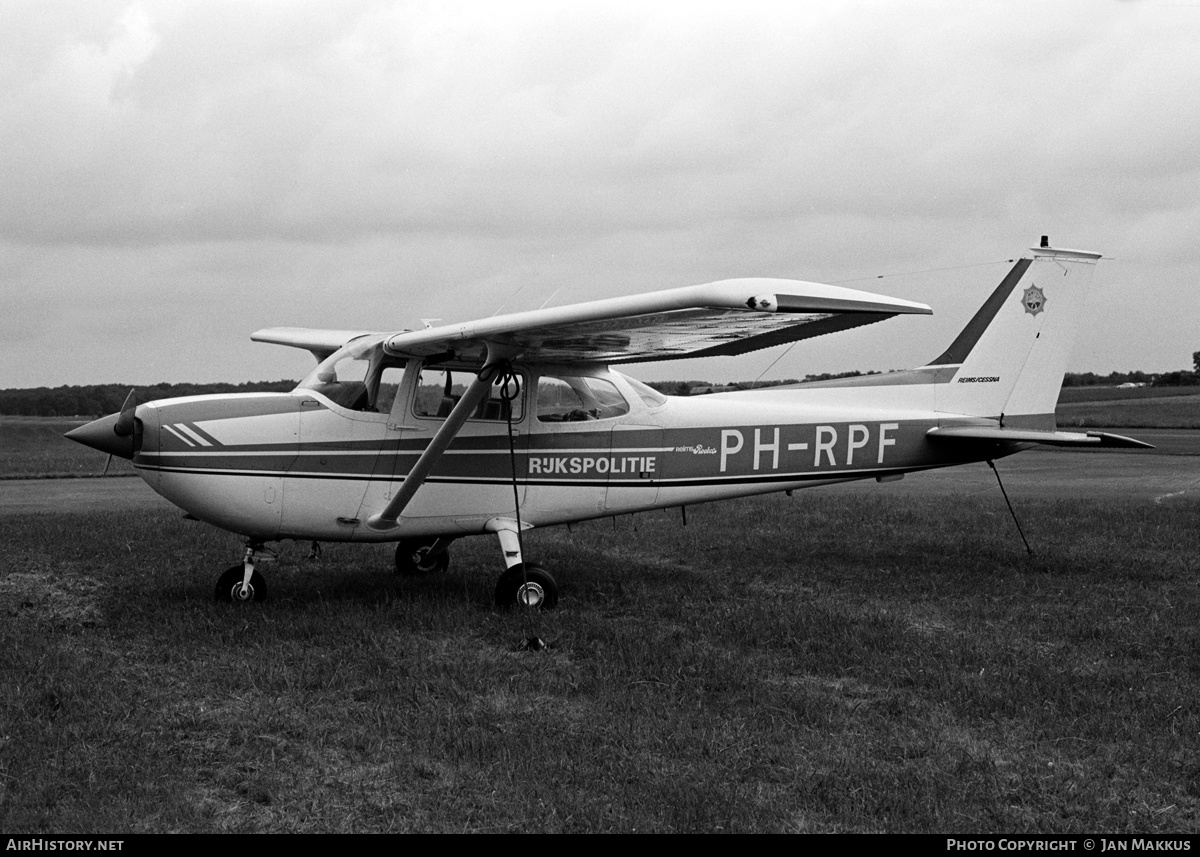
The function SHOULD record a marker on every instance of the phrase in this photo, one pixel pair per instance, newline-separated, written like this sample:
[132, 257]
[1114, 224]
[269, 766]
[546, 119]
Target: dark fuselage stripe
[560, 483]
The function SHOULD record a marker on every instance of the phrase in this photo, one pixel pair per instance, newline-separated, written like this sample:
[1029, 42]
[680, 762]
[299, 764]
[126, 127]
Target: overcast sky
[176, 175]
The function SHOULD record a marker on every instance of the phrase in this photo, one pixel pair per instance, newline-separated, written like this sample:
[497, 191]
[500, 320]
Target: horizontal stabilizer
[1093, 439]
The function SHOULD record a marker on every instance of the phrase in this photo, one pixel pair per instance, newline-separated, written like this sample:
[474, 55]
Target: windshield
[351, 376]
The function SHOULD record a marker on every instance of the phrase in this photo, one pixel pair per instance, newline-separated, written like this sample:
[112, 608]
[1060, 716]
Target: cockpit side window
[440, 387]
[390, 378]
[359, 377]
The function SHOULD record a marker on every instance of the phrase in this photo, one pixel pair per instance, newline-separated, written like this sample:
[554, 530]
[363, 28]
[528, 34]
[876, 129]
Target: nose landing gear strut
[242, 583]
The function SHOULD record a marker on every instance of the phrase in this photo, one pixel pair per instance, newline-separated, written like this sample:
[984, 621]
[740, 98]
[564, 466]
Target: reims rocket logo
[1034, 300]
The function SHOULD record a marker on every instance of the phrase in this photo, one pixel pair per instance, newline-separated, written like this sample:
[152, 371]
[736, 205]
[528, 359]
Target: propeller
[123, 427]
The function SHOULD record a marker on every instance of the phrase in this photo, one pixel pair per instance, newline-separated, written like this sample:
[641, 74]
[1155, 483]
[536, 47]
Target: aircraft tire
[411, 558]
[229, 585]
[534, 583]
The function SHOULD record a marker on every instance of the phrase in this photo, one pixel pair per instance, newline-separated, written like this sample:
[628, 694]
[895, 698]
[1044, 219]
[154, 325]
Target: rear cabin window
[576, 398]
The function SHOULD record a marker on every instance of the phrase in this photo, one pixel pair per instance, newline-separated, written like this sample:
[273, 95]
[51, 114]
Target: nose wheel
[242, 583]
[233, 589]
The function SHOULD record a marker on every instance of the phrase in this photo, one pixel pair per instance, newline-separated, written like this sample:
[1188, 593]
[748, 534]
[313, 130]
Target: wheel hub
[530, 594]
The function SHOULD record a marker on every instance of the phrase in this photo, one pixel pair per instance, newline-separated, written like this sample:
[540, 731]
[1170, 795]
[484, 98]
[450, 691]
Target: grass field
[826, 663]
[1137, 408]
[1074, 395]
[35, 447]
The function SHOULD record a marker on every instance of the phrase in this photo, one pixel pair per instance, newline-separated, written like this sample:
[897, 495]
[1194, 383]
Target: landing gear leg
[523, 584]
[241, 584]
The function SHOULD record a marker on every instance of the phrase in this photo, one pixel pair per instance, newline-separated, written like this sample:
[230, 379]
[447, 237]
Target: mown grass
[35, 447]
[1073, 395]
[828, 663]
[1134, 408]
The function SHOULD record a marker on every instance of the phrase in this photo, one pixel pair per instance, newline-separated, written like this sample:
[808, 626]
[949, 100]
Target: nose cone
[99, 434]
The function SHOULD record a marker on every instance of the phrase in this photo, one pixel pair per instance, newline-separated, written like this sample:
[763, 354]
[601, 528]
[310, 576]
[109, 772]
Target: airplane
[499, 425]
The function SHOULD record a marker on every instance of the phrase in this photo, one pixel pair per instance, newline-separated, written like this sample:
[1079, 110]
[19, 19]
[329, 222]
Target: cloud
[435, 158]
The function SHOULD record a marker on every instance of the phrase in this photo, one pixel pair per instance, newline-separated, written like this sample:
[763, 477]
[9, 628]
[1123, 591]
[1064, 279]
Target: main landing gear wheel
[229, 586]
[412, 557]
[532, 587]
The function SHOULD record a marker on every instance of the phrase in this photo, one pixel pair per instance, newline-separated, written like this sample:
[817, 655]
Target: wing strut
[388, 517]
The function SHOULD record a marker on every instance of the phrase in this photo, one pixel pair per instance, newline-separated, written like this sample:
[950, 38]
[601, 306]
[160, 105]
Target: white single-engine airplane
[518, 421]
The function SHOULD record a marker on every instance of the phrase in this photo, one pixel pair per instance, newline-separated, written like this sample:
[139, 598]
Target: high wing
[321, 343]
[722, 318]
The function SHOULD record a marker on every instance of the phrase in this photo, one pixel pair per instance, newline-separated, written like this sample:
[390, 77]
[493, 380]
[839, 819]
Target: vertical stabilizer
[1009, 360]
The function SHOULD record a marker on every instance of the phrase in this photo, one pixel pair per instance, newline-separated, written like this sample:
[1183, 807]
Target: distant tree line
[1112, 379]
[94, 400]
[1178, 378]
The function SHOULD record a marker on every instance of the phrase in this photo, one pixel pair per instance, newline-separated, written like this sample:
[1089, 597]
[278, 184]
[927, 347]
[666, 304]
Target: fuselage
[300, 465]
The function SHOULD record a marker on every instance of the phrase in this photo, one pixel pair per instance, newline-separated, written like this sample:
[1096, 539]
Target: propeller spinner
[112, 434]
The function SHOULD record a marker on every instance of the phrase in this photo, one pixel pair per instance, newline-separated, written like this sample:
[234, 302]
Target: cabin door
[633, 470]
[473, 479]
